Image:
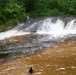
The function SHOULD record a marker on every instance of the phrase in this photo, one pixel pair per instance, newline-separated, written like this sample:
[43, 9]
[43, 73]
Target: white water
[57, 29]
[43, 26]
[11, 33]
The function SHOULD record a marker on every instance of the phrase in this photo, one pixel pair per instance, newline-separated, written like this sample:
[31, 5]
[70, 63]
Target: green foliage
[11, 12]
[63, 6]
[14, 11]
[72, 7]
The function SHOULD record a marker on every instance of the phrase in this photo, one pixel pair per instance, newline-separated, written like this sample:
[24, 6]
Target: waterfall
[48, 30]
[54, 26]
[57, 28]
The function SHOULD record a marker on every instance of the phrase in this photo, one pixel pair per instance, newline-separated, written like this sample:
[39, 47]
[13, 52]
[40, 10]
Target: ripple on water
[38, 73]
[62, 68]
[73, 67]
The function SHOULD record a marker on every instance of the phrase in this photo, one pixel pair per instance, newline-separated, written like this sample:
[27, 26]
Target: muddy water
[59, 60]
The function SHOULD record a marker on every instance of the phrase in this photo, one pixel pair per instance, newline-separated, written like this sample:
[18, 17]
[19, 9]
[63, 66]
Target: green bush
[14, 10]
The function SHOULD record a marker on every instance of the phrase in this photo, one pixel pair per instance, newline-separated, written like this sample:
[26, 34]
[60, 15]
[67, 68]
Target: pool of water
[58, 60]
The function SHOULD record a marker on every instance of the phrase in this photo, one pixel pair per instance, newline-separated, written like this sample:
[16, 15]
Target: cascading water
[48, 30]
[55, 26]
